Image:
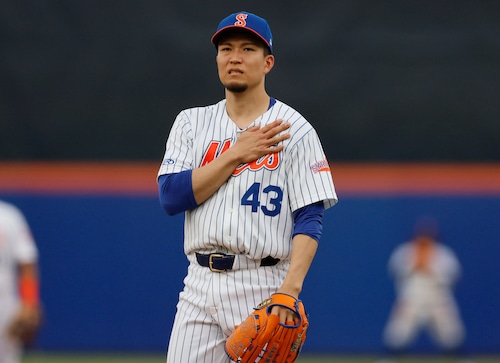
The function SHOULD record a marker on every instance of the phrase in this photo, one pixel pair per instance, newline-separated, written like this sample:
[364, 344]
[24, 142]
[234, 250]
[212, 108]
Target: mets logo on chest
[215, 148]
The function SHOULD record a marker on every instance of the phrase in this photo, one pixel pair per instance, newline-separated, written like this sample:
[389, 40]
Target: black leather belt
[220, 262]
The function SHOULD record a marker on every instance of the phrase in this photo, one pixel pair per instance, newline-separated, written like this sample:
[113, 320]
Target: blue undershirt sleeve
[176, 192]
[309, 220]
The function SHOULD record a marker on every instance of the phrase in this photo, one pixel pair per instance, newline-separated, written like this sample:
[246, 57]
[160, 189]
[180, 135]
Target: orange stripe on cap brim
[240, 28]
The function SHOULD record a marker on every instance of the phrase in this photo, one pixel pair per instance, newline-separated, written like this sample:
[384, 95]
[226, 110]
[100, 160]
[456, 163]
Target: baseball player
[253, 180]
[19, 293]
[425, 272]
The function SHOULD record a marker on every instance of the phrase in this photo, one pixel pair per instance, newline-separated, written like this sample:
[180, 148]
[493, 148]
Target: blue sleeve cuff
[308, 220]
[176, 192]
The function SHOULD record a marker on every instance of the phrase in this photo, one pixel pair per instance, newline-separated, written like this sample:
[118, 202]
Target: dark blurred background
[380, 80]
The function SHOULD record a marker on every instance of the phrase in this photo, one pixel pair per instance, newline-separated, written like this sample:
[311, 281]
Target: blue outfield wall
[112, 268]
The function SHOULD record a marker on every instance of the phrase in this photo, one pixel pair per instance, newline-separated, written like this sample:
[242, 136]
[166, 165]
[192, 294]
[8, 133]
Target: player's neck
[244, 108]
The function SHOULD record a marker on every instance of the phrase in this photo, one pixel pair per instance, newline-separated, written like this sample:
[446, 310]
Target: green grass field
[33, 357]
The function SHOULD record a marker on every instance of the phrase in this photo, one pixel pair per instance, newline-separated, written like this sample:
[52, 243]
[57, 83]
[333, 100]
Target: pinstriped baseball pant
[10, 351]
[210, 306]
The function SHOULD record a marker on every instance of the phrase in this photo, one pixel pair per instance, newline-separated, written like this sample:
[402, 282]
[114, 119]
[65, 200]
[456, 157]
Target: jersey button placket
[228, 232]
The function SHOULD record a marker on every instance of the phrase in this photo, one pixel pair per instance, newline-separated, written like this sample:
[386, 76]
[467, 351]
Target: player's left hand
[286, 315]
[25, 324]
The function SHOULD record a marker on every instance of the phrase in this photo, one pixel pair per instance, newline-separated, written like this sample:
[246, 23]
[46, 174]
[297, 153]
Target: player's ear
[269, 63]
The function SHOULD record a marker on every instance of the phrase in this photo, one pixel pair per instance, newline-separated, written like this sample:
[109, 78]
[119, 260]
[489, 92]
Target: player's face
[242, 62]
[424, 240]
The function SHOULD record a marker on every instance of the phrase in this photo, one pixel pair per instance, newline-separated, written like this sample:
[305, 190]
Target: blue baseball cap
[243, 20]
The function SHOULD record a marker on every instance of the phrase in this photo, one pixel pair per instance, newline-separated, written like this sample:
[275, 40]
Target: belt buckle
[211, 262]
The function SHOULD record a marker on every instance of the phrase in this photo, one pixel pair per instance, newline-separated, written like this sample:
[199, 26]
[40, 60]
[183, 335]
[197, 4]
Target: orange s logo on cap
[241, 20]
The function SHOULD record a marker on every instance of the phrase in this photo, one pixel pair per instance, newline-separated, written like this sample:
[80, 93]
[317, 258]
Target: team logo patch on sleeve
[168, 162]
[320, 166]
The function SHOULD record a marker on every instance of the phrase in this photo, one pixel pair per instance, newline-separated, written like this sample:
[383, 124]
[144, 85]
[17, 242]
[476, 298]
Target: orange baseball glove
[262, 338]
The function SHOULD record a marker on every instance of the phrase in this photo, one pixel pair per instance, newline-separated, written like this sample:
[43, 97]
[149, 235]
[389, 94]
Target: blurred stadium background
[404, 96]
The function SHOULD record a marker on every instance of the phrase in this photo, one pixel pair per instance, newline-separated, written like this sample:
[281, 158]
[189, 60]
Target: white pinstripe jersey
[252, 212]
[16, 246]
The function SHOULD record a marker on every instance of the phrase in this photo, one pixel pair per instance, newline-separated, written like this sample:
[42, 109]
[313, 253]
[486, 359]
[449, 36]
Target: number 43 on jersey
[253, 197]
